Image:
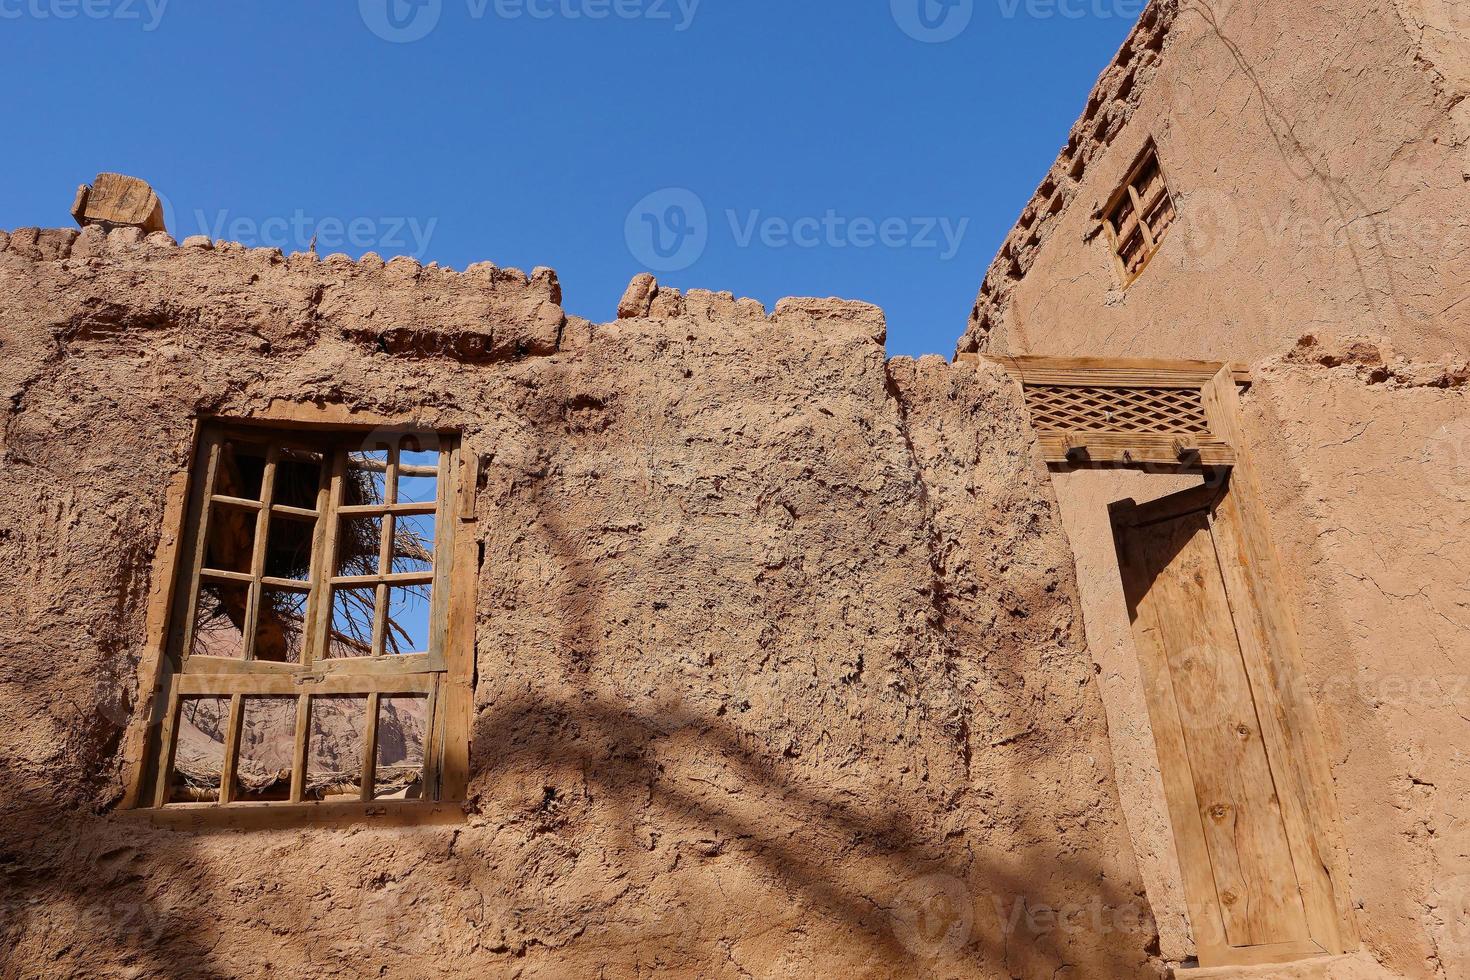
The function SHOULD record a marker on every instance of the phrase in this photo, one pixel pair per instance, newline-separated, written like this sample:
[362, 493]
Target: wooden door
[1247, 849]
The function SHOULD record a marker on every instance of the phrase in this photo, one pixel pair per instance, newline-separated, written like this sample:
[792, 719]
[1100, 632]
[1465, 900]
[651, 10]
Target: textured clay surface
[780, 670]
[1366, 464]
[1317, 154]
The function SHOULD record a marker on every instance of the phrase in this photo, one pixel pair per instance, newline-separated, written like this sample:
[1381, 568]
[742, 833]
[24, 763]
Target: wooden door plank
[1305, 761]
[1179, 793]
[1244, 831]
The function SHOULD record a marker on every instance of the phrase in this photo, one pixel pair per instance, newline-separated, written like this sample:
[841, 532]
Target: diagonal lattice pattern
[1064, 408]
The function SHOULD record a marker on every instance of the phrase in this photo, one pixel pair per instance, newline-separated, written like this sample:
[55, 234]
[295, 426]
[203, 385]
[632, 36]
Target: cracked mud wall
[1364, 459]
[779, 663]
[1318, 159]
[1365, 462]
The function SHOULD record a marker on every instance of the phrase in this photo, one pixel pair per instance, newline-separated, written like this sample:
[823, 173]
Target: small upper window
[1138, 216]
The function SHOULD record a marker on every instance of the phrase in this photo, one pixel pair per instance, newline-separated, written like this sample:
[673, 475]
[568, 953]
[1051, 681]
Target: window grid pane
[285, 528]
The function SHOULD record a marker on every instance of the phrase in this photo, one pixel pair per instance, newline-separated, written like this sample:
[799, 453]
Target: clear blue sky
[842, 148]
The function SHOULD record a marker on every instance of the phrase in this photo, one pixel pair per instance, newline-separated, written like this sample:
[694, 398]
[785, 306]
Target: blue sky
[871, 149]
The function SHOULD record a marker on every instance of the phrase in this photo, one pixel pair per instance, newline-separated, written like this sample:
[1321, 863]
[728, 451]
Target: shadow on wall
[826, 868]
[604, 838]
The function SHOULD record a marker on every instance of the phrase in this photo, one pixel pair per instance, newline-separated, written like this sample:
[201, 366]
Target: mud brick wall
[779, 662]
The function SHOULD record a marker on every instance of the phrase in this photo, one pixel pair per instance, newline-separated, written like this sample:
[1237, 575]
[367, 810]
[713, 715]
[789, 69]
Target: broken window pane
[219, 620]
[408, 620]
[199, 753]
[267, 742]
[334, 747]
[231, 543]
[413, 543]
[280, 628]
[351, 630]
[403, 724]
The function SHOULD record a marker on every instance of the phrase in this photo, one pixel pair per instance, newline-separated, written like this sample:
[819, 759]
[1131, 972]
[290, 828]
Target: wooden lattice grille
[1066, 408]
[1119, 411]
[1138, 216]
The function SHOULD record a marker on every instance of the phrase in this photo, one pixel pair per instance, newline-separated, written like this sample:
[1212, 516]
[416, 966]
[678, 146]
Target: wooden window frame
[443, 675]
[1130, 191]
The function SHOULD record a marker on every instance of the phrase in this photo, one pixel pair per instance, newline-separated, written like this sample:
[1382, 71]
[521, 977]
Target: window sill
[264, 816]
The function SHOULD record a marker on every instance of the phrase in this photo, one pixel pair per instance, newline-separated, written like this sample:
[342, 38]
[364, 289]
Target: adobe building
[371, 619]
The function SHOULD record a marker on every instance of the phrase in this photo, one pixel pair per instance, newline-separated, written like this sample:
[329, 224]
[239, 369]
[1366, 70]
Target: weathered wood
[232, 749]
[257, 557]
[300, 747]
[1306, 763]
[204, 817]
[1242, 823]
[378, 510]
[181, 640]
[416, 675]
[152, 666]
[286, 685]
[1256, 884]
[370, 748]
[1128, 447]
[399, 578]
[1113, 372]
[1164, 715]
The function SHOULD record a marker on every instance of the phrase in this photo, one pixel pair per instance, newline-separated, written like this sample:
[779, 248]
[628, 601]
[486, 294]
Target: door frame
[1257, 581]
